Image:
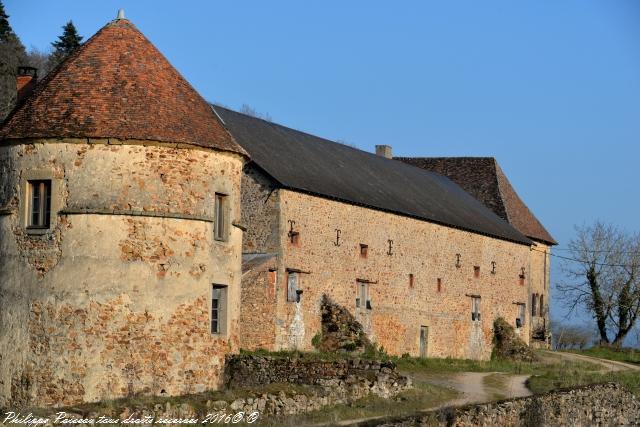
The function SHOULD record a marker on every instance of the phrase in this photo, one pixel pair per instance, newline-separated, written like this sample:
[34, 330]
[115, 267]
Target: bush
[507, 345]
[316, 340]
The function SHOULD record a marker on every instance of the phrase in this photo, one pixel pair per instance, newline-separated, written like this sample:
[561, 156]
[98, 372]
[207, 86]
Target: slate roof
[307, 163]
[118, 85]
[483, 178]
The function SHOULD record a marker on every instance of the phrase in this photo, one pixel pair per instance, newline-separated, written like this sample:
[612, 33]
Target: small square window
[220, 217]
[364, 250]
[476, 271]
[411, 280]
[218, 309]
[439, 284]
[39, 211]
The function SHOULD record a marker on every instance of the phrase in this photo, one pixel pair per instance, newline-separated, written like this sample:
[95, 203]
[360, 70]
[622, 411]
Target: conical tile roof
[118, 85]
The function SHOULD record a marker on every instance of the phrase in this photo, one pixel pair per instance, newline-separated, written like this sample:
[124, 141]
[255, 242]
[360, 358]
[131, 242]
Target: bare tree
[250, 111]
[39, 59]
[571, 336]
[604, 278]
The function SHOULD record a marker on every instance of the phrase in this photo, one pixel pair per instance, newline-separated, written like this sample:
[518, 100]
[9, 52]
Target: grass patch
[435, 365]
[496, 385]
[571, 377]
[421, 397]
[627, 355]
[370, 353]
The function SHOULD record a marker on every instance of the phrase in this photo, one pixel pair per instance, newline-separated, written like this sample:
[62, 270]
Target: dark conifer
[12, 54]
[69, 41]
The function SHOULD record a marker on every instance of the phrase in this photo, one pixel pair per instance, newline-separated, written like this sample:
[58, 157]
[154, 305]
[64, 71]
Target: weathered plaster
[124, 307]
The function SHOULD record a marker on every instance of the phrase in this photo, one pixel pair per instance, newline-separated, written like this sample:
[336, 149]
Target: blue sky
[551, 89]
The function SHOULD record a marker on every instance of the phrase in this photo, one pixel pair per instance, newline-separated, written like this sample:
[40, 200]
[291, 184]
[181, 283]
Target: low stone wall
[243, 371]
[601, 405]
[310, 384]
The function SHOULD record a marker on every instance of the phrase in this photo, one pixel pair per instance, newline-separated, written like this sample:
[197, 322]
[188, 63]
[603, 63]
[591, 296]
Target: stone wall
[601, 405]
[540, 287]
[115, 298]
[260, 206]
[257, 317]
[323, 384]
[438, 297]
[245, 371]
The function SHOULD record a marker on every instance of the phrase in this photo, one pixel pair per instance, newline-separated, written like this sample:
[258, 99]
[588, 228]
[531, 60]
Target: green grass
[371, 353]
[436, 365]
[571, 377]
[421, 397]
[628, 355]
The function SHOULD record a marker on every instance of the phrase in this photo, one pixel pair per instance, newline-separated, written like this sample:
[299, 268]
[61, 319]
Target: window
[39, 204]
[364, 249]
[362, 298]
[476, 271]
[411, 281]
[541, 305]
[439, 284]
[218, 309]
[475, 309]
[220, 224]
[292, 286]
[534, 297]
[521, 314]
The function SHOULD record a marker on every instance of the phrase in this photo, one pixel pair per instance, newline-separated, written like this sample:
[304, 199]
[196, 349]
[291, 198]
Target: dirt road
[608, 365]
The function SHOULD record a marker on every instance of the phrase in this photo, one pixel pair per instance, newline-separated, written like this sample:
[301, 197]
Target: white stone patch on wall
[296, 330]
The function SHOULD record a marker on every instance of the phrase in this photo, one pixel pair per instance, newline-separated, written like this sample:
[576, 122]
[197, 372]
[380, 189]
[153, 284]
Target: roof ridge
[508, 207]
[446, 157]
[272, 123]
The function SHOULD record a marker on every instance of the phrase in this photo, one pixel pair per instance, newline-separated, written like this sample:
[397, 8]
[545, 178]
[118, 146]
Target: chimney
[26, 80]
[384, 151]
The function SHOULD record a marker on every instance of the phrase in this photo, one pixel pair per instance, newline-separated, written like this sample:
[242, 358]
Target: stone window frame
[27, 177]
[363, 296]
[476, 311]
[221, 225]
[218, 313]
[293, 285]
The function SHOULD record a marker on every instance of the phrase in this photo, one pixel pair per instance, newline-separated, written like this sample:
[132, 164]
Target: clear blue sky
[550, 88]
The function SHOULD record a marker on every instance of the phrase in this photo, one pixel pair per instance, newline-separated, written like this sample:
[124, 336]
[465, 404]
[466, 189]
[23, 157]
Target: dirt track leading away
[608, 365]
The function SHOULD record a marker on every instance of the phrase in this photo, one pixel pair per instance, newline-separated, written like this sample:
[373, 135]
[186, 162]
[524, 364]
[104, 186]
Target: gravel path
[608, 365]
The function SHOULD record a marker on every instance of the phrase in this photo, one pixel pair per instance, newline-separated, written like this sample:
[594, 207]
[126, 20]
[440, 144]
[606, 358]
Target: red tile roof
[118, 85]
[483, 178]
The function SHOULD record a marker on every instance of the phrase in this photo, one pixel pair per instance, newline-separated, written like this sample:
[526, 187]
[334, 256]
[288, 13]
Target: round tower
[120, 262]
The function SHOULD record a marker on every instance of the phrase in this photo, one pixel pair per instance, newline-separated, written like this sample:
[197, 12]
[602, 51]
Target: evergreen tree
[68, 42]
[12, 54]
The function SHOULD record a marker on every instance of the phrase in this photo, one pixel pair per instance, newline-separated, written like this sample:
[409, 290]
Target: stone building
[120, 261]
[483, 178]
[421, 264]
[138, 246]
